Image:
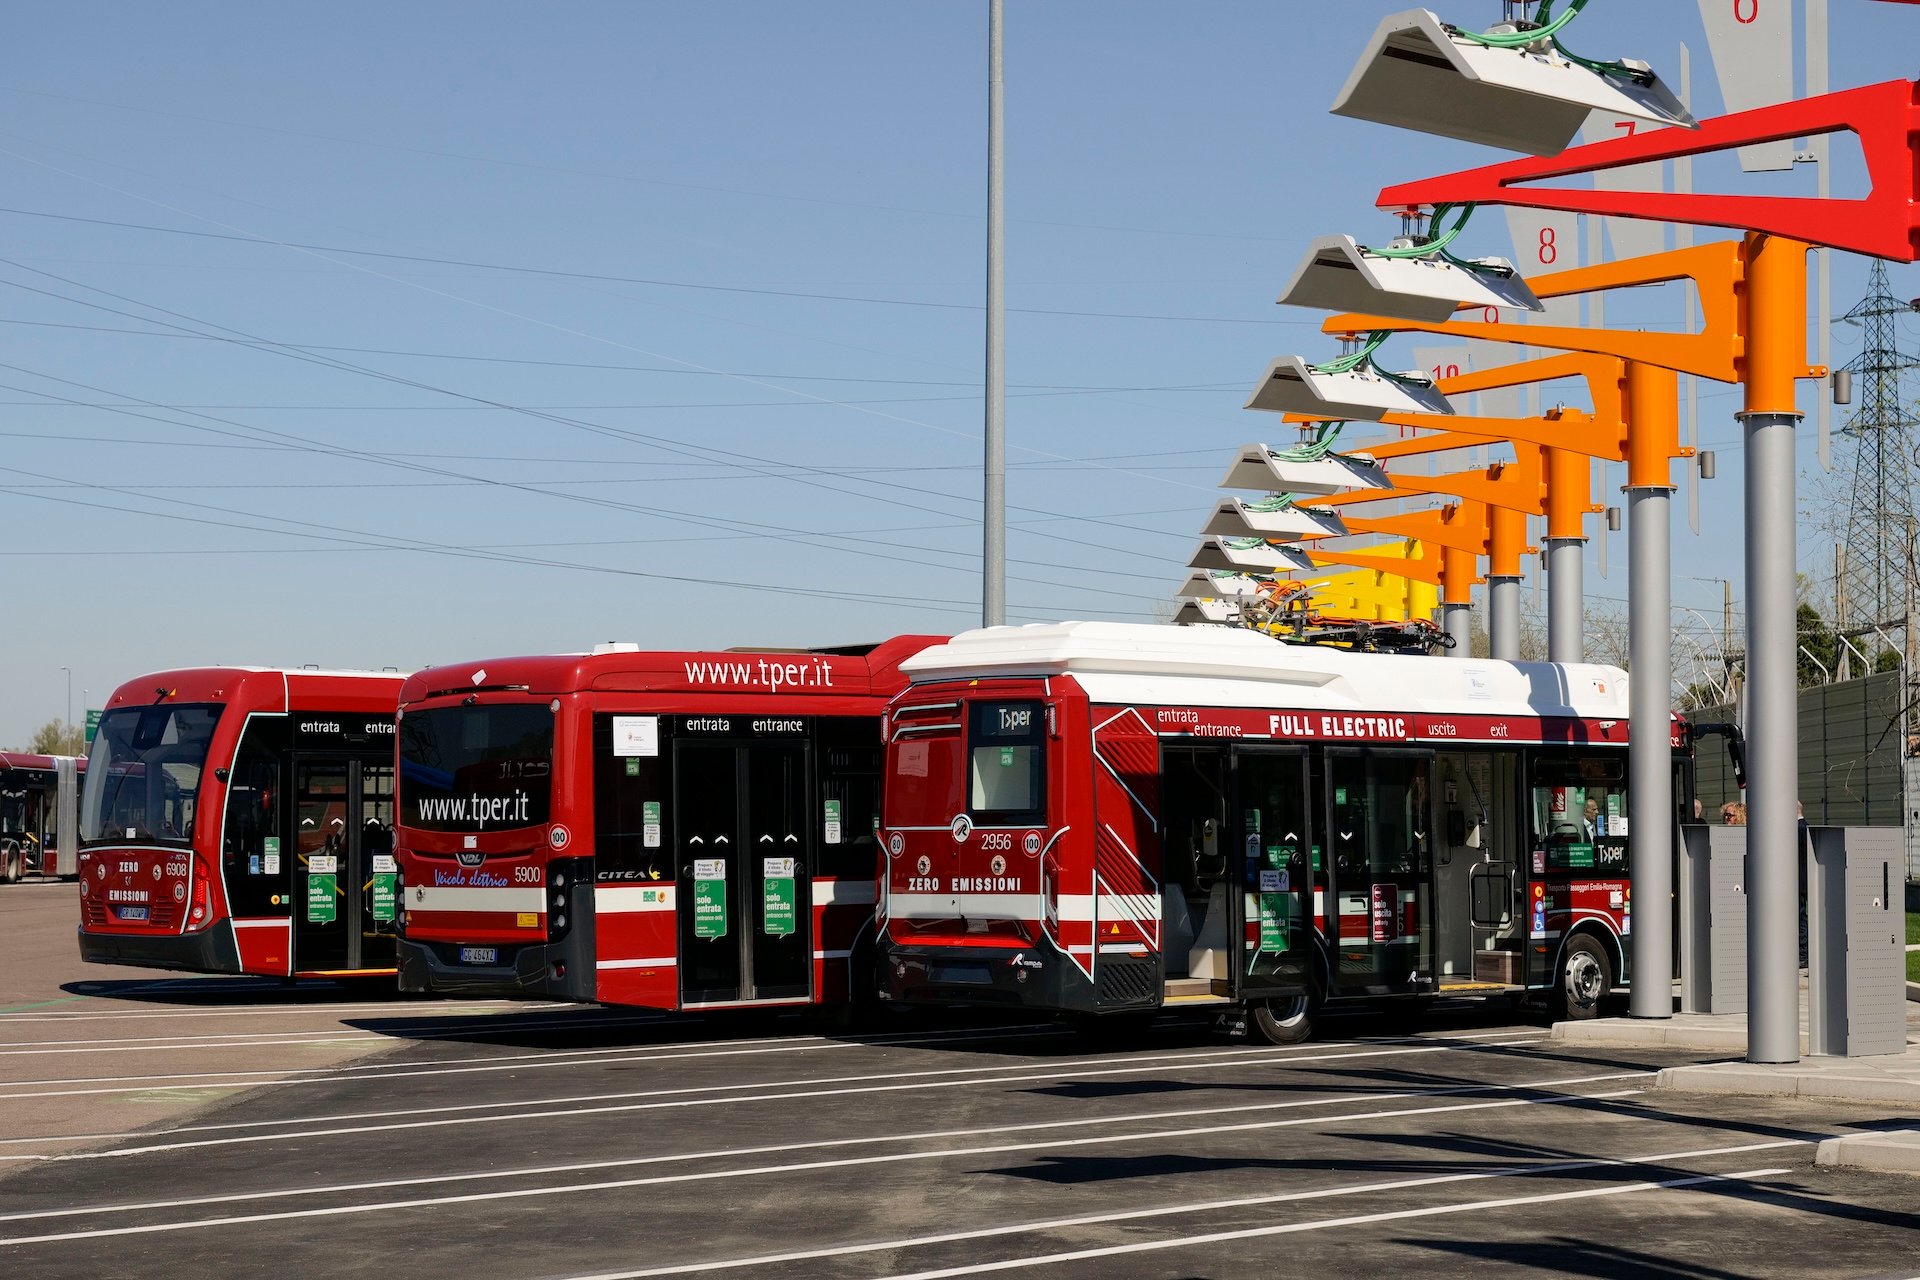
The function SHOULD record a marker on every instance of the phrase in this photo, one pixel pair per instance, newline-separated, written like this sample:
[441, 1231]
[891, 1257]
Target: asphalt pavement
[417, 1139]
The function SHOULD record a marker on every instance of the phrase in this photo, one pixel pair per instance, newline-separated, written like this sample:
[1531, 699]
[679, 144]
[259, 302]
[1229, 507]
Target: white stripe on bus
[611, 899]
[647, 962]
[838, 893]
[427, 897]
[978, 906]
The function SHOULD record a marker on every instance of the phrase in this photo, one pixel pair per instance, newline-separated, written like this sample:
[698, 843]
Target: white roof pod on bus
[1291, 385]
[1236, 519]
[1338, 275]
[1202, 584]
[1259, 467]
[1214, 553]
[1418, 74]
[1143, 665]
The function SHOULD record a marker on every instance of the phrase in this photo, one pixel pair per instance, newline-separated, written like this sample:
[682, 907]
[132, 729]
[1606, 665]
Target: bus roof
[853, 669]
[275, 688]
[1136, 664]
[27, 760]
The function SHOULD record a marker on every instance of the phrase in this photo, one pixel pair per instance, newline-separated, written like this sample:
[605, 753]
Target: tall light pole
[67, 724]
[993, 559]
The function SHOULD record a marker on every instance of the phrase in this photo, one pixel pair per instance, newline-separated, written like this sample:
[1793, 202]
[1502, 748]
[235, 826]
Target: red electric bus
[240, 820]
[669, 830]
[1095, 818]
[39, 798]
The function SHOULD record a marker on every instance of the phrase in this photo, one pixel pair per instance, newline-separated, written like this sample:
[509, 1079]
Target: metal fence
[1852, 756]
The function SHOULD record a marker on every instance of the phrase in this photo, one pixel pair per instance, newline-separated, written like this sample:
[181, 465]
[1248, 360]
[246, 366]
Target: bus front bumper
[537, 971]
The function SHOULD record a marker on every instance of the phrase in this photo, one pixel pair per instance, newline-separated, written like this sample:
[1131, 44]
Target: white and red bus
[240, 820]
[1097, 818]
[39, 799]
[663, 829]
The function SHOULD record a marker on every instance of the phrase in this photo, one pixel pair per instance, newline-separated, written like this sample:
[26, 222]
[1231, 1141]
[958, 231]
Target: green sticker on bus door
[1275, 910]
[709, 897]
[383, 895]
[832, 835]
[321, 907]
[778, 918]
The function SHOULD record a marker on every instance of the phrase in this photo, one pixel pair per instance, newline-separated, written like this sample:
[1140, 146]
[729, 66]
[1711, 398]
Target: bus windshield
[476, 768]
[143, 776]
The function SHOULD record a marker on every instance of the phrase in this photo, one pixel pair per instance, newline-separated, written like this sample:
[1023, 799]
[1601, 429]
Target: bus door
[743, 848]
[343, 871]
[1379, 835]
[1271, 858]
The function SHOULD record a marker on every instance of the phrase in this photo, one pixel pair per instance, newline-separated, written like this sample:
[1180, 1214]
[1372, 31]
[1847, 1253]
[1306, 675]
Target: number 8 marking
[1549, 248]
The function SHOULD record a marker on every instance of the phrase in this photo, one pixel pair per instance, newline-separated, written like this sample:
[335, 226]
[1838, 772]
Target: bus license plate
[479, 955]
[133, 913]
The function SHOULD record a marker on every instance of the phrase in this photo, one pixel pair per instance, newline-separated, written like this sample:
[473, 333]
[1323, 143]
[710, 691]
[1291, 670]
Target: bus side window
[631, 812]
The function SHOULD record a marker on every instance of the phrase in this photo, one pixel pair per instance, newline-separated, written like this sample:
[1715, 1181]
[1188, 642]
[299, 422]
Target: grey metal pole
[1503, 618]
[993, 558]
[1650, 811]
[1566, 600]
[1457, 621]
[1773, 883]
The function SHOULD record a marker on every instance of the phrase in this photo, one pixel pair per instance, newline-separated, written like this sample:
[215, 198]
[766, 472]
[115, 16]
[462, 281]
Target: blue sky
[656, 428]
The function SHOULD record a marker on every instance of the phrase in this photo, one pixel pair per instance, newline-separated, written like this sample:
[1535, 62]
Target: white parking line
[386, 1184]
[810, 1167]
[305, 1129]
[452, 1009]
[1183, 1209]
[344, 1073]
[1356, 1220]
[489, 1028]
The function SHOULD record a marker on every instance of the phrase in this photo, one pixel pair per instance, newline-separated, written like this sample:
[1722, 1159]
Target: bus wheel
[1585, 980]
[12, 863]
[1288, 1021]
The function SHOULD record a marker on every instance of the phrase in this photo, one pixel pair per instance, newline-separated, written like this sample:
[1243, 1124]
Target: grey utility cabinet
[1856, 942]
[1713, 919]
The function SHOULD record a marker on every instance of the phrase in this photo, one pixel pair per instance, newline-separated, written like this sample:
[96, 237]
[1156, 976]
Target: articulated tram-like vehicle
[1101, 819]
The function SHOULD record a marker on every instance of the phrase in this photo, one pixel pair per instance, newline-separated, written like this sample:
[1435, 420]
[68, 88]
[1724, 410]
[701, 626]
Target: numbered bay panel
[1753, 47]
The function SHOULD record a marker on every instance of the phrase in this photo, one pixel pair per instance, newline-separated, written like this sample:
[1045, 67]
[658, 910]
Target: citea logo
[962, 828]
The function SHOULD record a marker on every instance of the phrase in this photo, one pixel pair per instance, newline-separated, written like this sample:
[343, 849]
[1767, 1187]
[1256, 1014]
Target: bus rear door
[1380, 826]
[744, 853]
[1270, 860]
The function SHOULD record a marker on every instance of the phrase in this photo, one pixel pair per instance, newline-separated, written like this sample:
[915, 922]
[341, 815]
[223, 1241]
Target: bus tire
[12, 863]
[1585, 979]
[1286, 1021]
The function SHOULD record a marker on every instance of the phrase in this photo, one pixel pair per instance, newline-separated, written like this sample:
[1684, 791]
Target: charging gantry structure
[1516, 86]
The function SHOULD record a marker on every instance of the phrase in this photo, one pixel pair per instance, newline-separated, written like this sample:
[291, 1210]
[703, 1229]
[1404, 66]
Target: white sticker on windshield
[636, 735]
